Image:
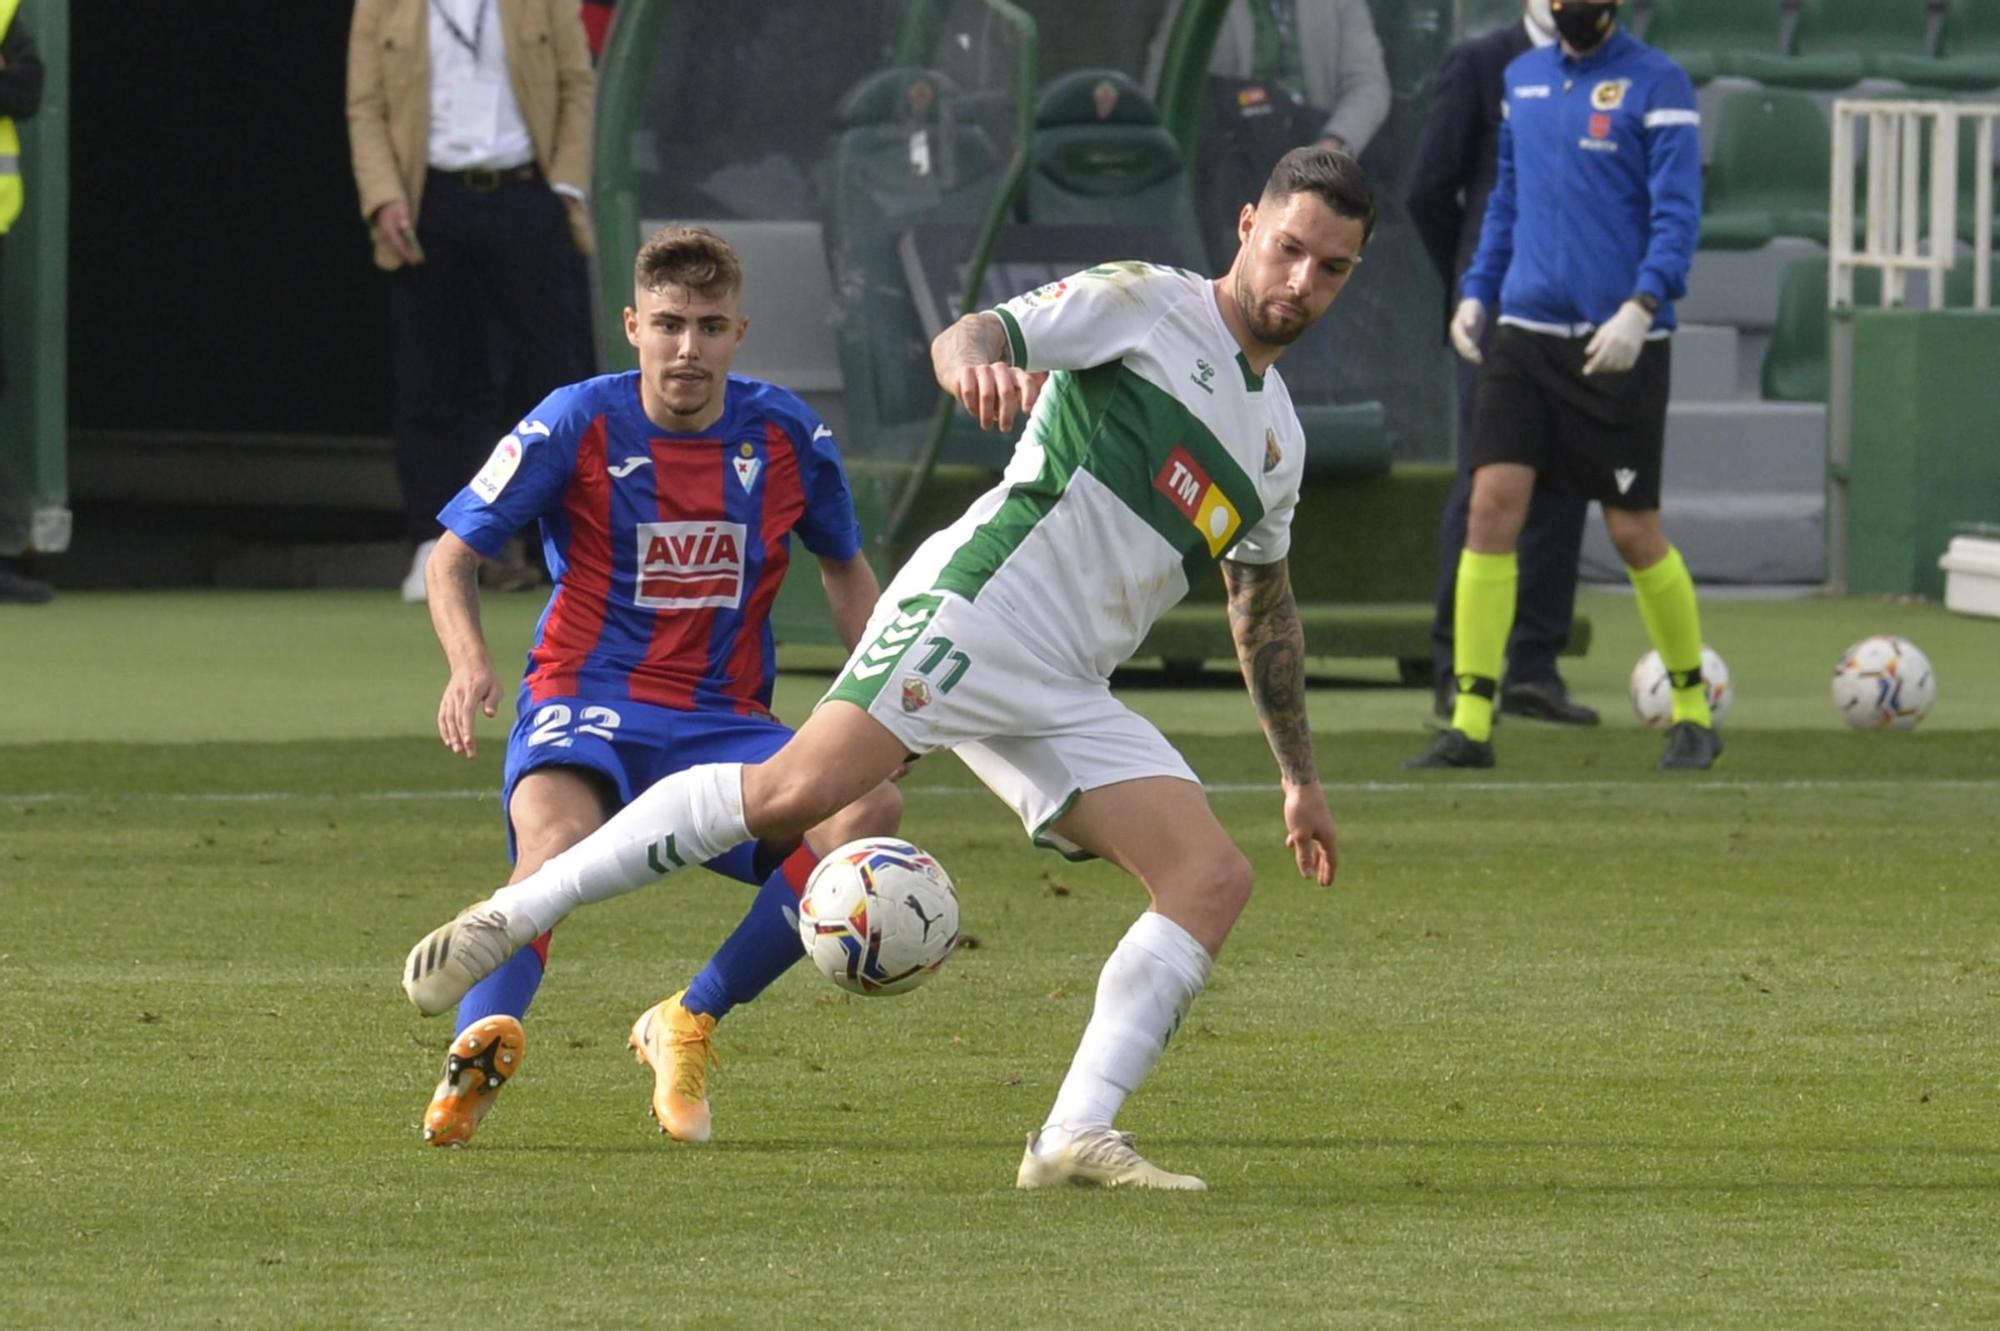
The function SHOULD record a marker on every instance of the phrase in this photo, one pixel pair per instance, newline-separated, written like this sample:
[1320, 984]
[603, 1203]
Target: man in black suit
[1456, 163]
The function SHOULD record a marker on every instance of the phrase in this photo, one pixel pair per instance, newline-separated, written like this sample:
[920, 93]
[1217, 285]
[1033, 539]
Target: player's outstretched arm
[970, 359]
[451, 583]
[1271, 645]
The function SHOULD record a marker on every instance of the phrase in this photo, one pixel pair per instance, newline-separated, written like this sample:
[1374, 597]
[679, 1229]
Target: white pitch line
[1448, 786]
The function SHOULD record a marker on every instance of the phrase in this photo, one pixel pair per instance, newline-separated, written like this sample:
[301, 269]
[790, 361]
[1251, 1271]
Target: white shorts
[939, 673]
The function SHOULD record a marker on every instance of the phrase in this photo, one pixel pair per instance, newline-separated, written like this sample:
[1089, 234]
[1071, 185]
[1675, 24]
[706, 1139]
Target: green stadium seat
[1795, 364]
[1770, 173]
[895, 163]
[1347, 440]
[1701, 34]
[1968, 50]
[1100, 155]
[1806, 58]
[1839, 42]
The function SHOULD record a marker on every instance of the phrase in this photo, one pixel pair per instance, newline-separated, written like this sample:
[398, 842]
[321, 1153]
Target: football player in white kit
[1161, 442]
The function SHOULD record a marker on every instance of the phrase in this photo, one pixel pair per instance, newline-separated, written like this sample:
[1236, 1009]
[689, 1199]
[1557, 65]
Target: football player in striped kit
[667, 498]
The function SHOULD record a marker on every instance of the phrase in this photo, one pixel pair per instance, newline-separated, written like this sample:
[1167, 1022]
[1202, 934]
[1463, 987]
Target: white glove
[1615, 346]
[1466, 326]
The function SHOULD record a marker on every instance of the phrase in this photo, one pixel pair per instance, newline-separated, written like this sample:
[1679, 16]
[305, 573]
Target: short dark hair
[688, 256]
[1330, 173]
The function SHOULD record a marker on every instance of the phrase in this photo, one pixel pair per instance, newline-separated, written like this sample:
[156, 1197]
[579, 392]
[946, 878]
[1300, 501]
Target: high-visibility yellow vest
[10, 143]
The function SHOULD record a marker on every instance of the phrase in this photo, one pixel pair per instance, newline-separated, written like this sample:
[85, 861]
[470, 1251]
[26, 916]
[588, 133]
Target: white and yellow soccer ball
[879, 916]
[1653, 692]
[1884, 683]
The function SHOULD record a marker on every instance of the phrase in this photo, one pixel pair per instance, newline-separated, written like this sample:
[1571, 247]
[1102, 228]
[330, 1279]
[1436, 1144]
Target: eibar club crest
[916, 695]
[1272, 454]
[747, 467]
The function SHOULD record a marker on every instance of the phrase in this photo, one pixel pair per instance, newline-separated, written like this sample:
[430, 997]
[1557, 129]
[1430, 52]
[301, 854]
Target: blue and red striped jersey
[666, 550]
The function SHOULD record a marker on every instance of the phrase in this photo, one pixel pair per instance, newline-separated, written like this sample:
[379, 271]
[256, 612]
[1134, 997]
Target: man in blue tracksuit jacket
[1588, 238]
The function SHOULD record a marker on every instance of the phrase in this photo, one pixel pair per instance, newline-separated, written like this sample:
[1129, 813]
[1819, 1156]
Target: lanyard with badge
[473, 118]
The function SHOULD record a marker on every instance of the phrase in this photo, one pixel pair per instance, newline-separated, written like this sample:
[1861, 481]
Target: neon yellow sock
[1482, 616]
[1673, 622]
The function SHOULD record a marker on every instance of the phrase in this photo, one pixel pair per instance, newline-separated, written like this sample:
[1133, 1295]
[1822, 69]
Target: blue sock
[507, 991]
[763, 947]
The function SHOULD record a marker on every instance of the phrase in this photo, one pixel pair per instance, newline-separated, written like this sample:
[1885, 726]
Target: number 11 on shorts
[937, 652]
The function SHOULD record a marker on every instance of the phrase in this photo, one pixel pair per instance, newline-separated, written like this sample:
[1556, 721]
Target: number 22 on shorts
[552, 724]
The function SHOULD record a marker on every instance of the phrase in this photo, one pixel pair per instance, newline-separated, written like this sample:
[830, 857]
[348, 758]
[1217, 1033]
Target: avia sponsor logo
[1199, 499]
[687, 565]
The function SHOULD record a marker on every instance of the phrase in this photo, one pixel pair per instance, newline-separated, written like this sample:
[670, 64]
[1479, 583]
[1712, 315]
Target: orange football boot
[483, 1057]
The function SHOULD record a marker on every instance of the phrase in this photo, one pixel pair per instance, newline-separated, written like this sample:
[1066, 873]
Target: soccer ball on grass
[1884, 683]
[878, 916]
[1653, 692]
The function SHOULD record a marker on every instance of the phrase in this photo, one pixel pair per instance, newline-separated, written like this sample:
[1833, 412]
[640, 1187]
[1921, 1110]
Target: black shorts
[1599, 436]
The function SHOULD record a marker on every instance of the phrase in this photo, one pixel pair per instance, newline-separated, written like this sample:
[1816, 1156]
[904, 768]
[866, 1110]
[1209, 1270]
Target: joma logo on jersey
[686, 565]
[1199, 499]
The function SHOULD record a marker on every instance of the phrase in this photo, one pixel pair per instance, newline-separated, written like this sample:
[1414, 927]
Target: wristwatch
[1647, 301]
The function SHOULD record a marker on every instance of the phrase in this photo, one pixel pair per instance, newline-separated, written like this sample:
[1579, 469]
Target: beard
[1265, 324]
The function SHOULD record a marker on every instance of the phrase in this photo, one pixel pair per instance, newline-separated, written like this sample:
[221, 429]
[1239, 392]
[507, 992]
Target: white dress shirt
[475, 120]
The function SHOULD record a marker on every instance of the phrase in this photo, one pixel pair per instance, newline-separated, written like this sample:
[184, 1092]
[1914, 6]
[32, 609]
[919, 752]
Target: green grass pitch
[1569, 1044]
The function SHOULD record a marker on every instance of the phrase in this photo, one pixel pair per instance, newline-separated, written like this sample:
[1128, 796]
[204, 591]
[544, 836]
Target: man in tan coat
[469, 122]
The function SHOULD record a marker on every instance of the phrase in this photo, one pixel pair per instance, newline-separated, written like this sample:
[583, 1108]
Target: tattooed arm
[1270, 644]
[971, 363]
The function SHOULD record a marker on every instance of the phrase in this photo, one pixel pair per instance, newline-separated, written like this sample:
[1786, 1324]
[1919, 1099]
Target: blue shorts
[632, 745]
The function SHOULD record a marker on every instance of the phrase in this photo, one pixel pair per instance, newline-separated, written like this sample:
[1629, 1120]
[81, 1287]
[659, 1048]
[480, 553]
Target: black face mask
[1583, 26]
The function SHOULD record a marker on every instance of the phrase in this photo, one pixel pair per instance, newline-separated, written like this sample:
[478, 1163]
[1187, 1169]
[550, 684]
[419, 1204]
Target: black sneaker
[20, 589]
[1453, 748]
[1545, 700]
[1692, 747]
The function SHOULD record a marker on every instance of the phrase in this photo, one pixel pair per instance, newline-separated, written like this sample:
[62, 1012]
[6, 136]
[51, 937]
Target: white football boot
[453, 957]
[1101, 1157]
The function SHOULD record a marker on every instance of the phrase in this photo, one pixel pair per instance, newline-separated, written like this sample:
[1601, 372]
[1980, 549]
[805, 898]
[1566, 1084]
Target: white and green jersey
[1153, 452]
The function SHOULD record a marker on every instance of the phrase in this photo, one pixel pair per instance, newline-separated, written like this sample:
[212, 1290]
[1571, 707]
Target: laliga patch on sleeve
[1047, 294]
[499, 469]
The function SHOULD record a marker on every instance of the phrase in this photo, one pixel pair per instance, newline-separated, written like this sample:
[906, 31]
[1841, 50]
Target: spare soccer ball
[878, 916]
[1884, 683]
[1653, 693]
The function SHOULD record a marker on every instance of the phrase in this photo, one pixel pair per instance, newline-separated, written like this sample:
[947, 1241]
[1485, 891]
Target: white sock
[687, 818]
[1143, 992]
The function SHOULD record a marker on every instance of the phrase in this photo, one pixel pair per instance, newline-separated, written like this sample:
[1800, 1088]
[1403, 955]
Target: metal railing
[1908, 225]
